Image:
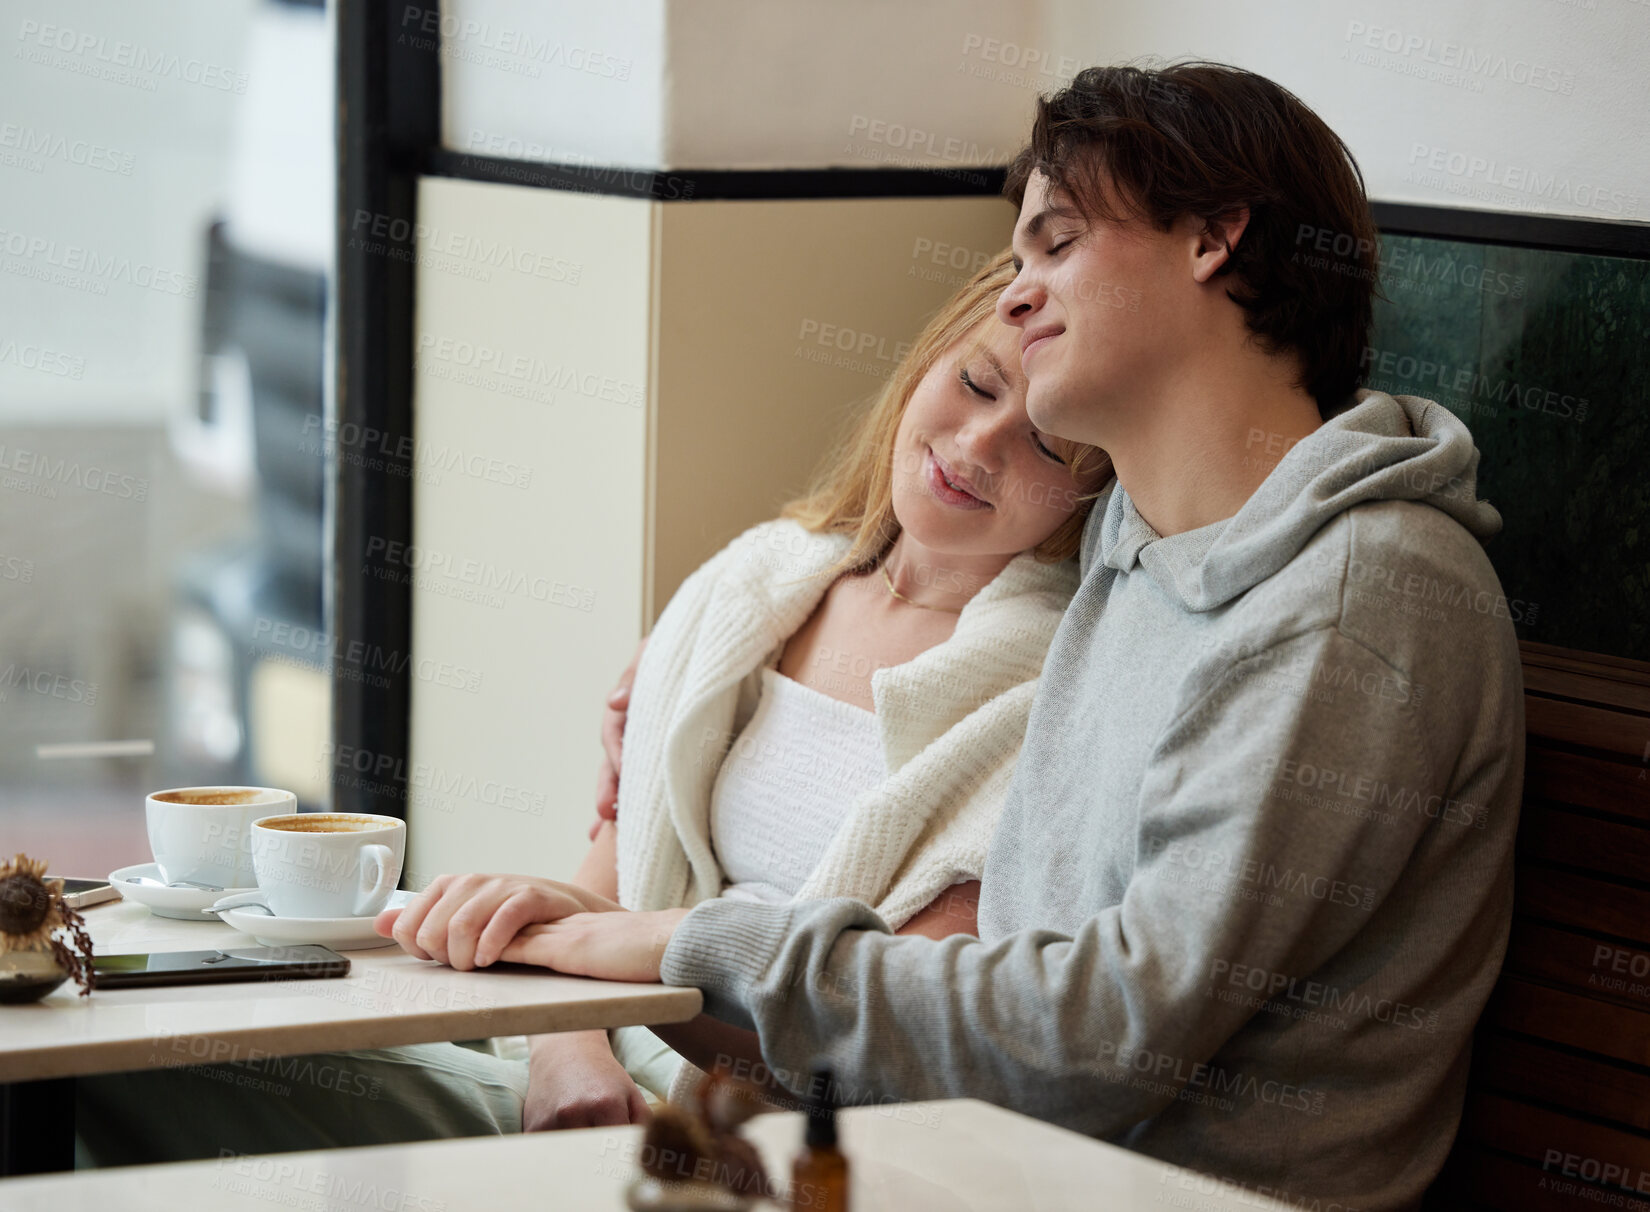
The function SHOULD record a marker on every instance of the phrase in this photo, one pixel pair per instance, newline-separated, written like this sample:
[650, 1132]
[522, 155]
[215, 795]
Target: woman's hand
[465, 920]
[620, 946]
[575, 1081]
[613, 719]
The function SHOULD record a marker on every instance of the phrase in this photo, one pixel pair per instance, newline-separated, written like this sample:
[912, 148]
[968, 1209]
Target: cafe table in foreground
[388, 998]
[956, 1155]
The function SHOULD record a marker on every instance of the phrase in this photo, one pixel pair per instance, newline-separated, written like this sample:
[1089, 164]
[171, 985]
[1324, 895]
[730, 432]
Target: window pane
[164, 249]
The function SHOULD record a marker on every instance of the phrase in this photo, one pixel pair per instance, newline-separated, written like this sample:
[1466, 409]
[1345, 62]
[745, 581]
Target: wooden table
[388, 998]
[905, 1157]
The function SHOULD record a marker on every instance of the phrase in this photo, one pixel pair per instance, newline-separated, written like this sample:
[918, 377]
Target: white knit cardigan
[951, 721]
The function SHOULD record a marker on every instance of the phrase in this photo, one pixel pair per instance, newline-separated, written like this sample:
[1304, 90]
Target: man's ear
[1216, 242]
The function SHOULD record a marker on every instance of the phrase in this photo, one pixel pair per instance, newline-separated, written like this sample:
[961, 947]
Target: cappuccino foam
[321, 822]
[209, 797]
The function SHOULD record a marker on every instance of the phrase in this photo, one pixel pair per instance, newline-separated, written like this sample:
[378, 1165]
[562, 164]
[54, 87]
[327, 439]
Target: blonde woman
[832, 705]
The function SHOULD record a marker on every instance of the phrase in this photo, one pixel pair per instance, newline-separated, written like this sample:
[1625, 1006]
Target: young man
[1252, 883]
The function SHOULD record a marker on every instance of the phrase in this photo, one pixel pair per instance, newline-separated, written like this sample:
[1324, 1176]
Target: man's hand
[613, 719]
[575, 1081]
[465, 920]
[612, 946]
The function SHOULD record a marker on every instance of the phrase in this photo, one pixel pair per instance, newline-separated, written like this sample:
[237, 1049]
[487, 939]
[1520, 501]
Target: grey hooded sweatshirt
[1253, 878]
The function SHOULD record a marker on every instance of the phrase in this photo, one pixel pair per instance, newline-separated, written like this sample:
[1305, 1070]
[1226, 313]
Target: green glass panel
[1544, 356]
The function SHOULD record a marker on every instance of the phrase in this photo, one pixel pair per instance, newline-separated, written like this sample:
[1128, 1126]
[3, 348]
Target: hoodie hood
[1381, 448]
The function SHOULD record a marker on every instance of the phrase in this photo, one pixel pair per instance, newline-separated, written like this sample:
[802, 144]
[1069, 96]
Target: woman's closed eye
[968, 382]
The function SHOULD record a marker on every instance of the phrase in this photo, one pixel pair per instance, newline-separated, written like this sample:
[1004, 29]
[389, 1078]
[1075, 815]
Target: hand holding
[465, 920]
[611, 946]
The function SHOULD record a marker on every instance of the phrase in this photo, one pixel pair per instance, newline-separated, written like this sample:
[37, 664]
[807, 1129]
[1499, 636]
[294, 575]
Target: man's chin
[1051, 410]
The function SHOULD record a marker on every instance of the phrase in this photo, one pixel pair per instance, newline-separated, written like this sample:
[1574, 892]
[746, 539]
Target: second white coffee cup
[203, 835]
[324, 864]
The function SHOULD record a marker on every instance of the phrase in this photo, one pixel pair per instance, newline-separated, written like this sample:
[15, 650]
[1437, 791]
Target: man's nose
[1019, 300]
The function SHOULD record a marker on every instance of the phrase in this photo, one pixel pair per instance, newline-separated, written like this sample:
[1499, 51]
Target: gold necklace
[889, 581]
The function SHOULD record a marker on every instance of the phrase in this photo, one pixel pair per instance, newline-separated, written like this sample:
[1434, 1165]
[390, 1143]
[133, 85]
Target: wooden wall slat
[1590, 782]
[1537, 1134]
[1593, 727]
[1570, 684]
[1528, 1094]
[1546, 831]
[1566, 1018]
[1477, 1179]
[1581, 901]
[1581, 964]
[1554, 1140]
[1599, 670]
[1525, 1069]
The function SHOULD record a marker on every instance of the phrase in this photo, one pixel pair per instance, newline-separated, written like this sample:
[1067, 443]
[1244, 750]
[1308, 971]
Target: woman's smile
[947, 486]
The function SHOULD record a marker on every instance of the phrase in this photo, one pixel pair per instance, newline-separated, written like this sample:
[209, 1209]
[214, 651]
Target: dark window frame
[1559, 233]
[388, 117]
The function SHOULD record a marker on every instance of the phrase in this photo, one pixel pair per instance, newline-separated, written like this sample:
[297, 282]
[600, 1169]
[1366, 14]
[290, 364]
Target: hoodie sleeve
[1231, 867]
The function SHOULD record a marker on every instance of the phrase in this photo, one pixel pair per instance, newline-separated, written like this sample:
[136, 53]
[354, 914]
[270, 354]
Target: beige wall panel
[533, 335]
[777, 320]
[1457, 103]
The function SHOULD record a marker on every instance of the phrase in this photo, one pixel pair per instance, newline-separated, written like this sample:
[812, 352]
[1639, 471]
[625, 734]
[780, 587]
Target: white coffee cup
[324, 864]
[203, 835]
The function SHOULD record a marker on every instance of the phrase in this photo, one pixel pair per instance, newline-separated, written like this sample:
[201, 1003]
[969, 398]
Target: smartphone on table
[79, 893]
[300, 963]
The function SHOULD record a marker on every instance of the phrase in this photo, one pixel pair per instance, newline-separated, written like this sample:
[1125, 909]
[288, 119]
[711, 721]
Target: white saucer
[185, 904]
[339, 933]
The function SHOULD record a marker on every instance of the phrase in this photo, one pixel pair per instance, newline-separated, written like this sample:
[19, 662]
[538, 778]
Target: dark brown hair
[1205, 139]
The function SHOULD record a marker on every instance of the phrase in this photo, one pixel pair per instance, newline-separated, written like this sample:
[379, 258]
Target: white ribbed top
[786, 786]
[951, 721]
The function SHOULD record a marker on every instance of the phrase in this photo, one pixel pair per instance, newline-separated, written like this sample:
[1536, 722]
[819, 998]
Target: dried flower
[32, 909]
[697, 1151]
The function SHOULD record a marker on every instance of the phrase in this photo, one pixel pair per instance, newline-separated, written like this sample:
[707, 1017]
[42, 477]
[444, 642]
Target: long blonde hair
[854, 492]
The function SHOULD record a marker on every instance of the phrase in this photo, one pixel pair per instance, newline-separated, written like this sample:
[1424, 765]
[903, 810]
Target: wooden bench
[1558, 1107]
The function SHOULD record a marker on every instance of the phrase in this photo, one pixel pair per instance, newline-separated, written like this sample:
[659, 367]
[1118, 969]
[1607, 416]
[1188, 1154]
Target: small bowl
[28, 976]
